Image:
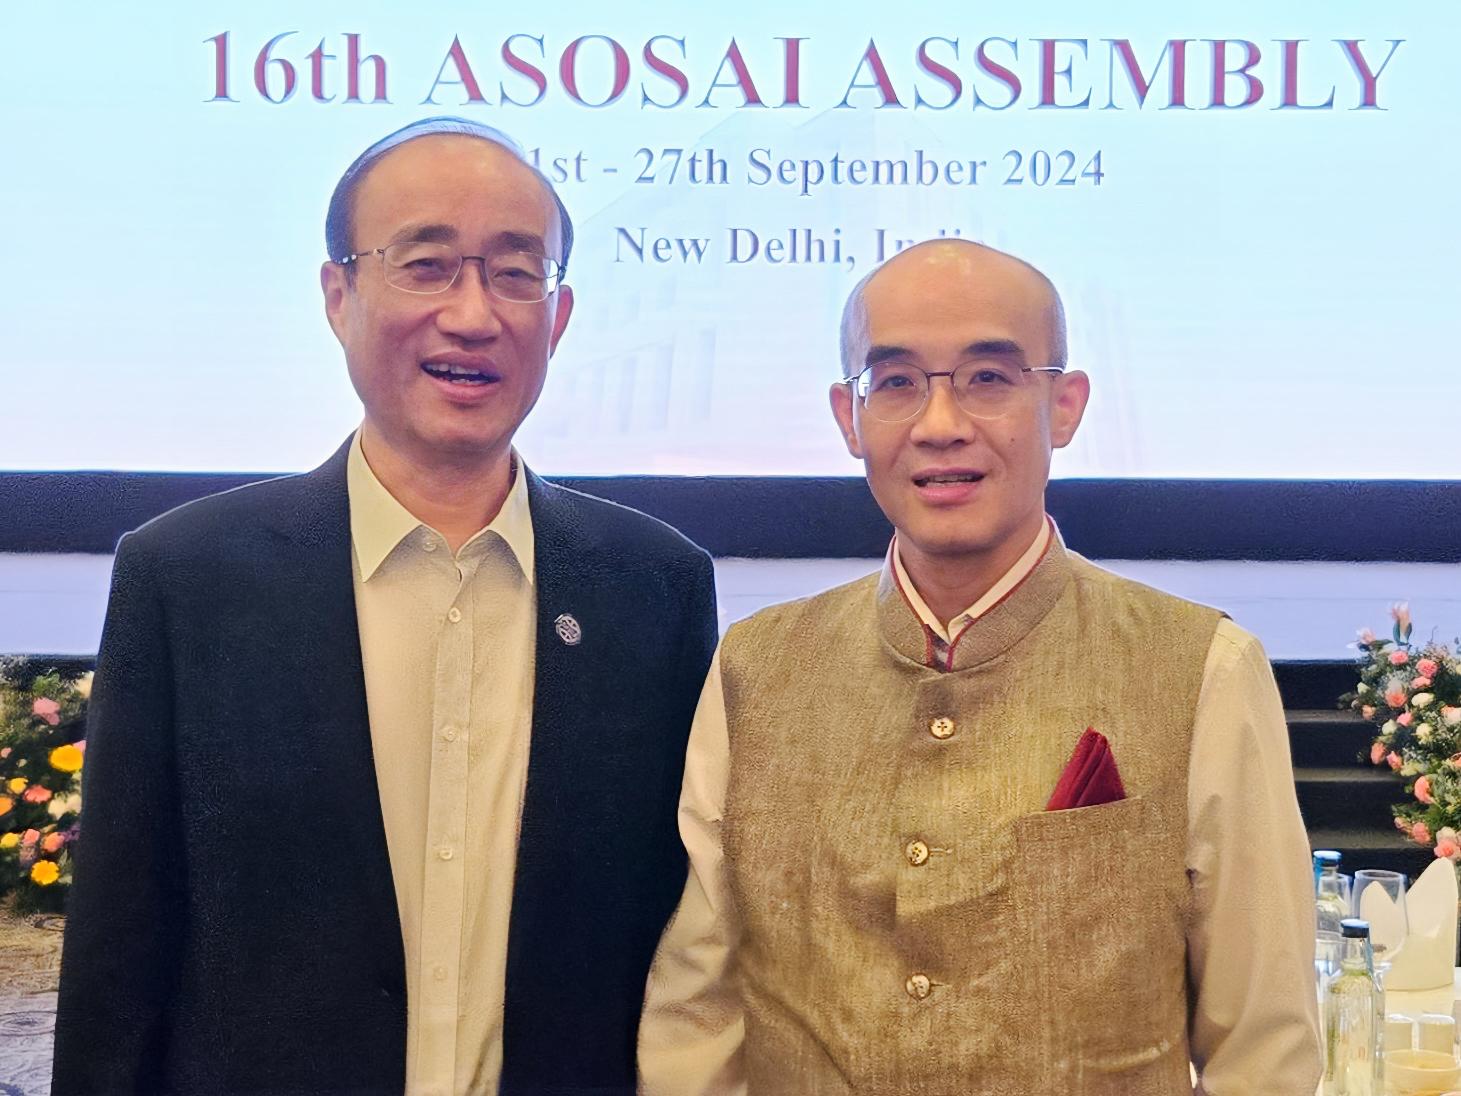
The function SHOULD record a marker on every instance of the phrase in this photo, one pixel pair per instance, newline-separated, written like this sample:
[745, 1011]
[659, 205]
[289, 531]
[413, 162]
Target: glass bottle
[1331, 903]
[1352, 1061]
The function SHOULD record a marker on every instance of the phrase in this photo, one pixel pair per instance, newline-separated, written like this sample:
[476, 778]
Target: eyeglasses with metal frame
[895, 391]
[423, 267]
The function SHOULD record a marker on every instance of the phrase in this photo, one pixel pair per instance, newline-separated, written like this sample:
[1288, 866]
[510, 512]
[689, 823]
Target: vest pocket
[1099, 921]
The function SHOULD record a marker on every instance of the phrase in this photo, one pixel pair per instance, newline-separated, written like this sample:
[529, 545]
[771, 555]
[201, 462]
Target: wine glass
[1384, 909]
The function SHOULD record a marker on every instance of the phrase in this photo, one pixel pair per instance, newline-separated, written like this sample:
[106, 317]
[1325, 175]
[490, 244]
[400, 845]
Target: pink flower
[1427, 667]
[1368, 712]
[1452, 716]
[1395, 698]
[1421, 683]
[53, 842]
[1399, 658]
[1420, 834]
[46, 709]
[1402, 825]
[4, 753]
[1423, 791]
[36, 794]
[30, 837]
[1377, 753]
[1367, 637]
[1446, 849]
[1405, 719]
[1400, 614]
[1393, 760]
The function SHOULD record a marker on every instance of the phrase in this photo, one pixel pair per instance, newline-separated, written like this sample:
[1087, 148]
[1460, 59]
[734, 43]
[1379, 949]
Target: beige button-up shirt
[1254, 1014]
[448, 643]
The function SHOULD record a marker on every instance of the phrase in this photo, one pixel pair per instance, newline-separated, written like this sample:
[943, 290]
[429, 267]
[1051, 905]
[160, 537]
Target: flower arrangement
[42, 716]
[1412, 693]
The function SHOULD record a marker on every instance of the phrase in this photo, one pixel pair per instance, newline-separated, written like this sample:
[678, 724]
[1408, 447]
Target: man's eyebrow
[519, 241]
[876, 355]
[425, 234]
[982, 348]
[447, 234]
[993, 348]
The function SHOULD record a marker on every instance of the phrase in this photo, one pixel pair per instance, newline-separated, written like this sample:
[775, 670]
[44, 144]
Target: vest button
[918, 986]
[917, 853]
[942, 727]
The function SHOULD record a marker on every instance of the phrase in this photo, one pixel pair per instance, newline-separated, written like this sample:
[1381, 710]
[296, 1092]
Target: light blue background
[1255, 293]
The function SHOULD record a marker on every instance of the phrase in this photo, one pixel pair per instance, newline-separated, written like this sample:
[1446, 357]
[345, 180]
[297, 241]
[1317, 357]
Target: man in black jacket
[383, 759]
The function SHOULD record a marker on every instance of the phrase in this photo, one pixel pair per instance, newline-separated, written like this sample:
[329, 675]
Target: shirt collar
[379, 523]
[1006, 582]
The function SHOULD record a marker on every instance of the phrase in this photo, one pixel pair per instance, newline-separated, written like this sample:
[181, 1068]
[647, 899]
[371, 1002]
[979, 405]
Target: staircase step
[1314, 684]
[1347, 796]
[1365, 847]
[1328, 738]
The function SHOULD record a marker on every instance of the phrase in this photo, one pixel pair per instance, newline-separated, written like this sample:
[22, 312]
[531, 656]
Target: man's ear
[1068, 406]
[564, 305]
[841, 396]
[336, 290]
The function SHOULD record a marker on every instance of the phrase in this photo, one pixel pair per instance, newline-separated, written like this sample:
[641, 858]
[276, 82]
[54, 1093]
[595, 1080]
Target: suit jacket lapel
[566, 602]
[335, 739]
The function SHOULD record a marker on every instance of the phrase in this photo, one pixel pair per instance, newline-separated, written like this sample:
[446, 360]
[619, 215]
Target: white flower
[1411, 768]
[1423, 733]
[60, 804]
[1445, 833]
[1390, 727]
[1452, 716]
[1420, 700]
[1363, 689]
[83, 686]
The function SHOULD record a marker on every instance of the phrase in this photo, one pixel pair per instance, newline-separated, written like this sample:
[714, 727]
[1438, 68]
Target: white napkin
[1427, 958]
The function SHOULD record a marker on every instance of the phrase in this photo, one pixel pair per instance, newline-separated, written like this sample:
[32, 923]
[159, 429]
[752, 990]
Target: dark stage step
[1345, 800]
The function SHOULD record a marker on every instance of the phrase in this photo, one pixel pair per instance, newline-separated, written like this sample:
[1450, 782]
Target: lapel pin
[568, 629]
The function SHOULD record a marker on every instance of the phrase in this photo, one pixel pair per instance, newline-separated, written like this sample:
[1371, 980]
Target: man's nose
[942, 421]
[470, 309]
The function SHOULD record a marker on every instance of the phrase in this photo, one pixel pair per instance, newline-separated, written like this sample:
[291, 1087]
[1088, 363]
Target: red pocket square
[1090, 777]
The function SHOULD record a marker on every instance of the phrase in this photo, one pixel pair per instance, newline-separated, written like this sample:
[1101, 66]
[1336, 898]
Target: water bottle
[1352, 1001]
[1331, 903]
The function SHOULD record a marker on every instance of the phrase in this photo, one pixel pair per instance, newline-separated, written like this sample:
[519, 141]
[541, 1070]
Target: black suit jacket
[233, 925]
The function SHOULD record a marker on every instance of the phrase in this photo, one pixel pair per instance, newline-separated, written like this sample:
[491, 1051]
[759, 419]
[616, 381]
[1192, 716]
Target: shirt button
[445, 852]
[918, 986]
[942, 727]
[439, 974]
[917, 853]
[428, 544]
[449, 733]
[454, 614]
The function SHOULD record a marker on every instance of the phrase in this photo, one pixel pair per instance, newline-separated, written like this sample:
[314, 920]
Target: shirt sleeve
[1250, 946]
[691, 1033]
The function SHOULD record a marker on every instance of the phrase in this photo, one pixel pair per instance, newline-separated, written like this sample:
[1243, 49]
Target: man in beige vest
[879, 899]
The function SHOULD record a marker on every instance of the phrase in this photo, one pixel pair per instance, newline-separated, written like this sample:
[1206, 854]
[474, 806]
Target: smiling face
[401, 348]
[962, 492]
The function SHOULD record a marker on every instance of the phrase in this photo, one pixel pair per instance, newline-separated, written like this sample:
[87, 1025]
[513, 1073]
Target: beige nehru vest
[914, 921]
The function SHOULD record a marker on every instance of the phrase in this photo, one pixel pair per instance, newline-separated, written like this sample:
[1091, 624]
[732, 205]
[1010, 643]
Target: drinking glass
[1388, 922]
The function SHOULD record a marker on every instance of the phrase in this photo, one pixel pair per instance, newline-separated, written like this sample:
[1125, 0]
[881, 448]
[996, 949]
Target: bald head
[957, 267]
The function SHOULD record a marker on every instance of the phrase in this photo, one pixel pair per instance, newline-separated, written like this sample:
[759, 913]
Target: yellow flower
[9, 840]
[66, 758]
[17, 785]
[44, 872]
